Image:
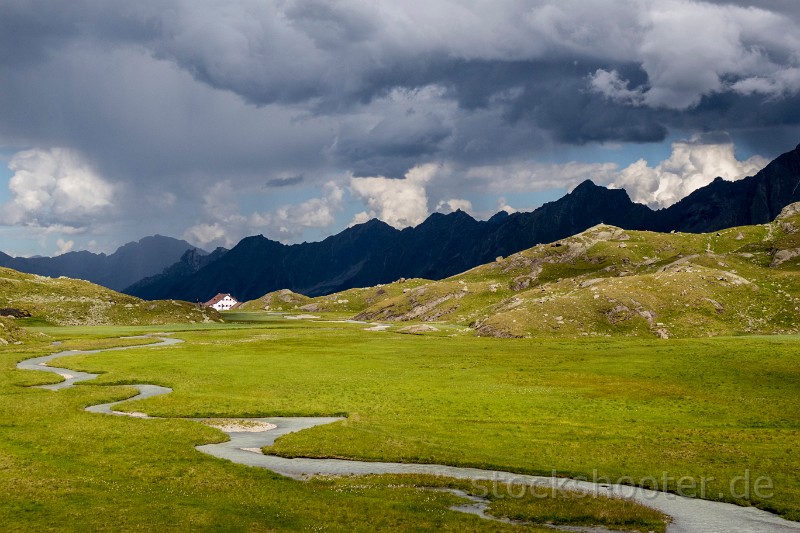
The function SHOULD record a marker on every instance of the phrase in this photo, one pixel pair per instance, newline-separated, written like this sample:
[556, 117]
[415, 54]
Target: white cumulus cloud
[454, 204]
[64, 246]
[54, 188]
[398, 202]
[227, 224]
[529, 176]
[691, 49]
[692, 165]
[315, 212]
[502, 205]
[609, 84]
[205, 234]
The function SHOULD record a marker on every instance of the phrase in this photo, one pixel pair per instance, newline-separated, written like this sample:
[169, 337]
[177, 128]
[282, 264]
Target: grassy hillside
[349, 301]
[11, 333]
[283, 300]
[609, 281]
[65, 301]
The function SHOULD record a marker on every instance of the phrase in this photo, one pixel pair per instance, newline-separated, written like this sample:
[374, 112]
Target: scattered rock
[718, 307]
[647, 315]
[781, 256]
[618, 314]
[521, 283]
[13, 312]
[789, 211]
[489, 331]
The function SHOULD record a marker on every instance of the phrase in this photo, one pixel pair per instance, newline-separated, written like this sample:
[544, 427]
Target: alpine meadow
[357, 266]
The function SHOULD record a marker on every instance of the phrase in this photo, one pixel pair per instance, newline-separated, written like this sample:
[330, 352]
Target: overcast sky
[211, 121]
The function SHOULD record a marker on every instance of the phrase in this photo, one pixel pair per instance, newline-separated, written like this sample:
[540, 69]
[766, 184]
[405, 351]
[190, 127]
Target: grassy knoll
[64, 469]
[716, 408]
[64, 301]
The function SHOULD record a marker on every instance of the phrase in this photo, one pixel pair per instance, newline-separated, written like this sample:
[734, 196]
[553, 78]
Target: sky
[211, 121]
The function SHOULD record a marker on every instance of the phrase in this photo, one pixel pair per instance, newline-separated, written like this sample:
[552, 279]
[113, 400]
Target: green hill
[11, 333]
[65, 301]
[349, 301]
[609, 281]
[283, 300]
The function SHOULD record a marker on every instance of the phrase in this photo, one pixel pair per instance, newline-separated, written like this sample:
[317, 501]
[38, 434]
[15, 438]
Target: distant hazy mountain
[445, 245]
[130, 263]
[190, 262]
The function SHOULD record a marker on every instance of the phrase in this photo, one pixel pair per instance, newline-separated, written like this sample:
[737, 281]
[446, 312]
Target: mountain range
[603, 281]
[130, 263]
[444, 245]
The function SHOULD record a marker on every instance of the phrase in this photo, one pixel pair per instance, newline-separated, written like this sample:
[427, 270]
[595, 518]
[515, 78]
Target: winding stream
[689, 515]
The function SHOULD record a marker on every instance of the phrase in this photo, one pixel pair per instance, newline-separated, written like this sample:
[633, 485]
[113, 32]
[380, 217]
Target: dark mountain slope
[724, 204]
[356, 255]
[190, 262]
[586, 206]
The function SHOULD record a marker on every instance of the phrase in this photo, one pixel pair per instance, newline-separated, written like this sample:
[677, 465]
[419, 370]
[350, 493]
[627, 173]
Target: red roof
[217, 298]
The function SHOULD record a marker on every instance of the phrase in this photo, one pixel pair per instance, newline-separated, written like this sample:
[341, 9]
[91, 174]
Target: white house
[223, 302]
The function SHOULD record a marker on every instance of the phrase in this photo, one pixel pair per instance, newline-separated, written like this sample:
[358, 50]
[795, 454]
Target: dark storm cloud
[401, 138]
[554, 96]
[26, 35]
[176, 95]
[332, 59]
[285, 182]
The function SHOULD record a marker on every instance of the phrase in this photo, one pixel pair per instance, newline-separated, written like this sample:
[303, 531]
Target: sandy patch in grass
[254, 450]
[239, 426]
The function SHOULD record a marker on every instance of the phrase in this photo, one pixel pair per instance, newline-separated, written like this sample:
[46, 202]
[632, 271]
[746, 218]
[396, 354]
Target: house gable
[223, 302]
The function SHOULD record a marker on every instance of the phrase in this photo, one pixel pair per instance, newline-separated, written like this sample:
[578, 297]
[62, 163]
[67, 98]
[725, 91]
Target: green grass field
[711, 409]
